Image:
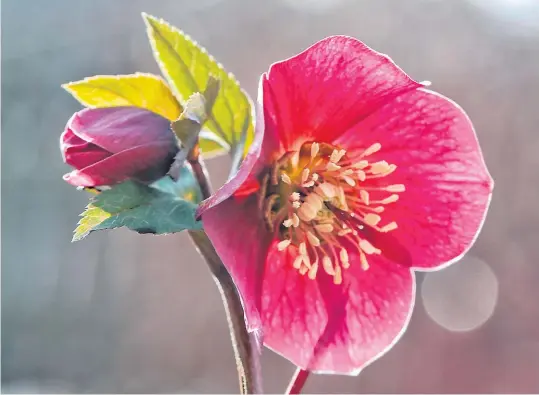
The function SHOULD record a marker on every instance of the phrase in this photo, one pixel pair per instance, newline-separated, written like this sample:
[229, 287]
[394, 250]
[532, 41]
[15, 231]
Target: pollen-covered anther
[372, 149]
[282, 245]
[364, 263]
[395, 188]
[389, 227]
[380, 167]
[368, 248]
[343, 254]
[337, 278]
[313, 270]
[286, 179]
[361, 176]
[324, 228]
[372, 219]
[327, 264]
[287, 223]
[315, 241]
[364, 195]
[295, 196]
[349, 180]
[315, 148]
[305, 175]
[326, 190]
[337, 155]
[390, 199]
[296, 205]
[332, 167]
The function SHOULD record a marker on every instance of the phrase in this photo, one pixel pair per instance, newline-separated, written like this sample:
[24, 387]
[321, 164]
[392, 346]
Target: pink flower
[109, 145]
[358, 175]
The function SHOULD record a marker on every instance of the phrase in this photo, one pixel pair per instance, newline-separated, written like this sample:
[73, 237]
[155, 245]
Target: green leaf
[91, 217]
[140, 90]
[163, 207]
[187, 67]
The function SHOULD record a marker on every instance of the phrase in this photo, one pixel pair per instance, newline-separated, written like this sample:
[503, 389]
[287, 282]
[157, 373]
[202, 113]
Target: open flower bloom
[357, 176]
[109, 145]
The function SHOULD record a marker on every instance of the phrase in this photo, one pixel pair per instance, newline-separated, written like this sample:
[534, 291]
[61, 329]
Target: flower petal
[323, 91]
[242, 249]
[262, 147]
[79, 153]
[331, 328]
[438, 158]
[144, 163]
[118, 128]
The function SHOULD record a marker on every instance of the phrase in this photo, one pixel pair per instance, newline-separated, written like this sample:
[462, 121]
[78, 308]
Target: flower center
[319, 200]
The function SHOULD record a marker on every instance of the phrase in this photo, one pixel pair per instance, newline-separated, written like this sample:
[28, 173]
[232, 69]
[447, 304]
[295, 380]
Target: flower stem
[298, 381]
[246, 350]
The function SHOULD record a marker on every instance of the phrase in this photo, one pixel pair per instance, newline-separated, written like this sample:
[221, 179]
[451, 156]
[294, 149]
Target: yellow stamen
[315, 241]
[297, 262]
[283, 244]
[324, 228]
[328, 265]
[305, 175]
[286, 179]
[364, 195]
[372, 149]
[337, 278]
[350, 181]
[326, 190]
[332, 166]
[379, 167]
[372, 219]
[315, 200]
[364, 263]
[343, 254]
[390, 199]
[396, 188]
[368, 248]
[313, 270]
[315, 147]
[295, 220]
[361, 164]
[361, 175]
[296, 204]
[389, 227]
[303, 248]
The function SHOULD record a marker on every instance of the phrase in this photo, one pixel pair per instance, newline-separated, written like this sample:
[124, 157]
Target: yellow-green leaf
[140, 90]
[90, 218]
[187, 67]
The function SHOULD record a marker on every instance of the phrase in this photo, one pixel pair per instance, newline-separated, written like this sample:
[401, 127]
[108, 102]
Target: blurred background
[121, 312]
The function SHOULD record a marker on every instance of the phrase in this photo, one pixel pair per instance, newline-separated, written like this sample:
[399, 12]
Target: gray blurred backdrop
[121, 312]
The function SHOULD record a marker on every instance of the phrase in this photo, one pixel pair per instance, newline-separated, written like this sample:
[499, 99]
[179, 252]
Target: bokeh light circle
[461, 297]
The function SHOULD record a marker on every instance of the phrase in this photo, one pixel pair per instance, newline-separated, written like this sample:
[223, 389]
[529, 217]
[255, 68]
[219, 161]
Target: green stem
[245, 350]
[243, 343]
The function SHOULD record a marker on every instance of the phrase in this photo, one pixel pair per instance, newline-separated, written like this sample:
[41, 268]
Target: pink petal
[323, 91]
[331, 328]
[118, 128]
[239, 236]
[79, 153]
[144, 163]
[448, 187]
[262, 148]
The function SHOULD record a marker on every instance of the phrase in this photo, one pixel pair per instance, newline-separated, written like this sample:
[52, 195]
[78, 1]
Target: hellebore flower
[357, 176]
[109, 145]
